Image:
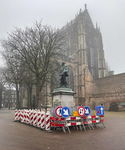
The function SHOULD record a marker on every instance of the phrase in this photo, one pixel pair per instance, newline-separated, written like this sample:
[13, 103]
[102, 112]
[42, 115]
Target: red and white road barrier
[16, 115]
[38, 119]
[31, 119]
[35, 118]
[24, 116]
[43, 119]
[76, 121]
[21, 115]
[30, 116]
[47, 121]
[27, 116]
[73, 118]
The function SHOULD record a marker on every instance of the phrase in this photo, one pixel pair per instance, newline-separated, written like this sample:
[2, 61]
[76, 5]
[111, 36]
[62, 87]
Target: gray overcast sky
[109, 14]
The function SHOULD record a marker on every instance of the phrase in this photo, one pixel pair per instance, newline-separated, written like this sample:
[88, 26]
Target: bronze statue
[63, 74]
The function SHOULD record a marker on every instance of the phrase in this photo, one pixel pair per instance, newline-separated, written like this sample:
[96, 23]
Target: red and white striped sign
[39, 119]
[43, 119]
[31, 119]
[27, 116]
[16, 114]
[48, 120]
[21, 115]
[34, 118]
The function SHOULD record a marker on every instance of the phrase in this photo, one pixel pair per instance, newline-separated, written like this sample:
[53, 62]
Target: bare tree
[38, 48]
[15, 69]
[2, 83]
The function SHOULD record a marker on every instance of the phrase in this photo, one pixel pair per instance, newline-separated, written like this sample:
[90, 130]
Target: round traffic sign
[87, 110]
[65, 112]
[81, 111]
[58, 111]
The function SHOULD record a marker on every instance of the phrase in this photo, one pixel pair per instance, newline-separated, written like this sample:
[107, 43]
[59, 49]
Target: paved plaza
[18, 136]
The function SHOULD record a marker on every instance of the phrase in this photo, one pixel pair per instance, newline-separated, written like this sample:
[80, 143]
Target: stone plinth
[63, 97]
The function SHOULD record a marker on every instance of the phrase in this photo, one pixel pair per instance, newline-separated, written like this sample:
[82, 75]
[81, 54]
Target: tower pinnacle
[85, 6]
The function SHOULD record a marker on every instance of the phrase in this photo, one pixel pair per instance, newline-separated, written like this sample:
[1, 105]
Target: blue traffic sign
[87, 110]
[65, 112]
[99, 110]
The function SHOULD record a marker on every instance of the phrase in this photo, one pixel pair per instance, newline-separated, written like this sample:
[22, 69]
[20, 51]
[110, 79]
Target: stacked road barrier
[34, 118]
[16, 115]
[46, 121]
[77, 122]
[39, 119]
[43, 119]
[31, 120]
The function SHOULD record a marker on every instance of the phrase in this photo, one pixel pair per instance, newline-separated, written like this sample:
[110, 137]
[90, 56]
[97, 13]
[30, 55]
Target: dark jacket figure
[63, 74]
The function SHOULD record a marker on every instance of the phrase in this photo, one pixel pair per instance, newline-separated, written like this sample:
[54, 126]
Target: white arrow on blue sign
[99, 110]
[87, 110]
[65, 112]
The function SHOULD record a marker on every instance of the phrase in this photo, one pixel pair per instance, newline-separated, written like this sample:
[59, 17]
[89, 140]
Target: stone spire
[96, 25]
[85, 6]
[87, 16]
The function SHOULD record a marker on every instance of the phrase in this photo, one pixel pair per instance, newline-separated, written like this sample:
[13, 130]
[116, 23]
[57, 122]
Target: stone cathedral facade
[89, 75]
[85, 52]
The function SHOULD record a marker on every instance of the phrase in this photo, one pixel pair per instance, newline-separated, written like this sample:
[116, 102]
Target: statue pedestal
[63, 97]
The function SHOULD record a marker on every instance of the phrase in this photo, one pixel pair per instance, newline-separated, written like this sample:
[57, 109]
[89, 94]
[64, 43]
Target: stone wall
[107, 90]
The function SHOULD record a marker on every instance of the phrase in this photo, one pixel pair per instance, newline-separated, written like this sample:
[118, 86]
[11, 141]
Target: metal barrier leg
[84, 127]
[67, 126]
[89, 126]
[103, 125]
[68, 129]
[64, 130]
[77, 127]
[88, 123]
[92, 126]
[80, 127]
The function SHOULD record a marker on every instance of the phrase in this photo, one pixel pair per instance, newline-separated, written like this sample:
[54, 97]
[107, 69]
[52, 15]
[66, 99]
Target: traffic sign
[65, 112]
[99, 110]
[75, 113]
[81, 111]
[87, 110]
[58, 111]
[95, 112]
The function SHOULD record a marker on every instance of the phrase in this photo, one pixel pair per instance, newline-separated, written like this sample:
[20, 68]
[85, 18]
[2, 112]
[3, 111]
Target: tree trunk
[30, 98]
[37, 95]
[17, 99]
[0, 96]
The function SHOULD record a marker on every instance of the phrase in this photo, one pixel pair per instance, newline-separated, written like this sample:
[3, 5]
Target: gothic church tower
[86, 47]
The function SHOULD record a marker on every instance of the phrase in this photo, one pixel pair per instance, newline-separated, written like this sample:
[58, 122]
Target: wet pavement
[18, 136]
